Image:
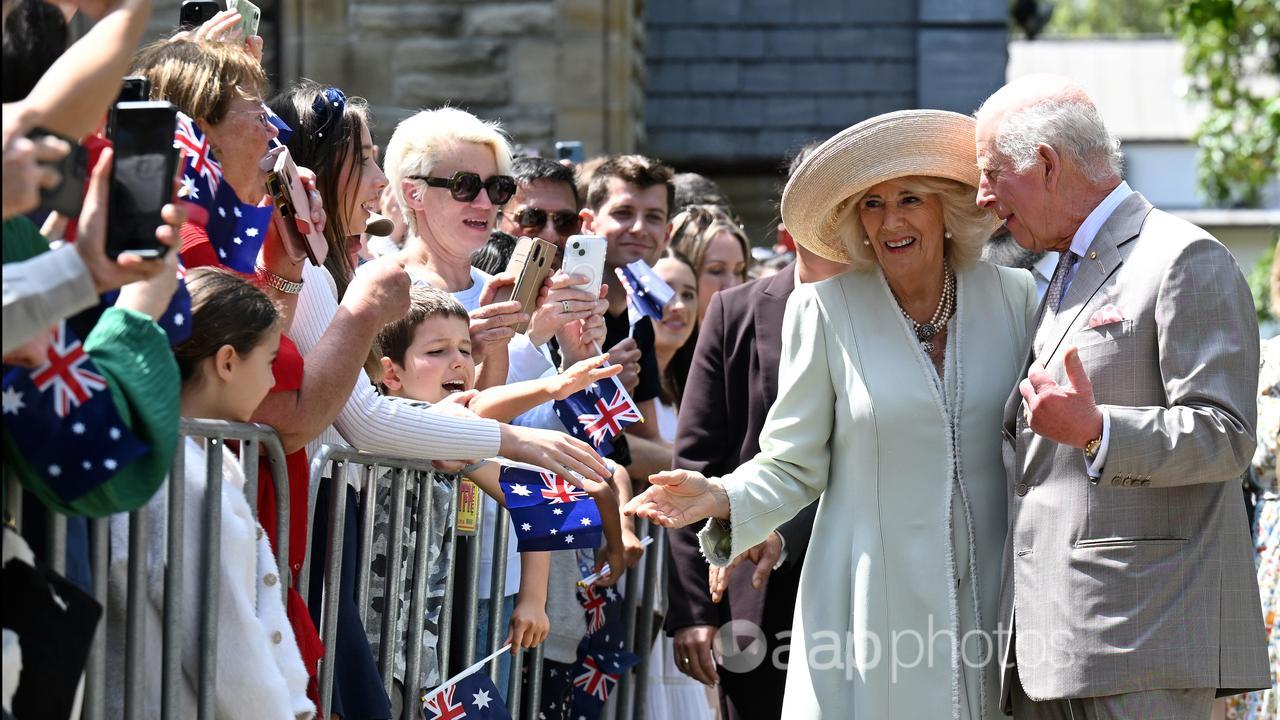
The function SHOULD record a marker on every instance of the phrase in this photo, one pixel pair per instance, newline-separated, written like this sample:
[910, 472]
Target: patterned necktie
[1053, 297]
[1058, 283]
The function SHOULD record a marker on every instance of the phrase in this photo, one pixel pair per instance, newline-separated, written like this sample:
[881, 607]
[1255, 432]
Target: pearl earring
[866, 242]
[947, 234]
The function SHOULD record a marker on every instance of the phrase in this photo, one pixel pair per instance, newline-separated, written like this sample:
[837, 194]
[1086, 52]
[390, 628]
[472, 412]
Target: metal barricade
[340, 464]
[252, 439]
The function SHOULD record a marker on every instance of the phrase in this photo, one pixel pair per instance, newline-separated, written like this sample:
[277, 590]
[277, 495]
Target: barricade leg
[333, 577]
[535, 684]
[391, 602]
[364, 550]
[469, 609]
[171, 652]
[450, 563]
[95, 670]
[135, 616]
[498, 590]
[644, 623]
[418, 599]
[625, 695]
[212, 552]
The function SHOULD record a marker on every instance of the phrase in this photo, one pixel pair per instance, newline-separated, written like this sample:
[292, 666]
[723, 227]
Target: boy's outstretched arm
[505, 402]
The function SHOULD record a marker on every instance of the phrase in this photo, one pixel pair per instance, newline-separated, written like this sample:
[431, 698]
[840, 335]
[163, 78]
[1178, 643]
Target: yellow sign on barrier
[468, 507]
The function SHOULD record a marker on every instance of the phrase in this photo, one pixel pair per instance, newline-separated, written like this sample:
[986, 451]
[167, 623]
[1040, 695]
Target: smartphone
[531, 262]
[141, 176]
[135, 88]
[570, 150]
[68, 196]
[290, 198]
[249, 17]
[195, 13]
[584, 255]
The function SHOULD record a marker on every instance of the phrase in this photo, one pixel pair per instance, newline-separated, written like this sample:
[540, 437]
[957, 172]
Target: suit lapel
[770, 309]
[1099, 262]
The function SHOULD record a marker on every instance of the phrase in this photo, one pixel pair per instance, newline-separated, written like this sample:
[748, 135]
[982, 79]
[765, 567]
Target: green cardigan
[132, 353]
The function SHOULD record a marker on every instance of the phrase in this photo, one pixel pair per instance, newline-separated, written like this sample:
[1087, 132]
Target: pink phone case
[288, 171]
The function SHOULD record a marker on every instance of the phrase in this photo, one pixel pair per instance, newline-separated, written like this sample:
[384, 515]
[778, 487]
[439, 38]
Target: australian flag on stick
[549, 512]
[473, 697]
[63, 417]
[598, 414]
[595, 678]
[647, 294]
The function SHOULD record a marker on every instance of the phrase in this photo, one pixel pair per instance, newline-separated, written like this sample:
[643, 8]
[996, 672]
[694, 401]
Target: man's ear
[1052, 165]
[391, 375]
[225, 362]
[588, 220]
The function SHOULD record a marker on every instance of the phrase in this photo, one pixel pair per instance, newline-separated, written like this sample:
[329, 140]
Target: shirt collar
[1045, 266]
[1088, 229]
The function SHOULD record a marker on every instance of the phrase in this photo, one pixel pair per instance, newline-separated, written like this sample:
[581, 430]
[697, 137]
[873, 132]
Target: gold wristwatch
[1092, 447]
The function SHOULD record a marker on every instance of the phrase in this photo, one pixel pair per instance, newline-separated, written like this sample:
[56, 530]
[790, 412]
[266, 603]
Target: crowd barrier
[339, 463]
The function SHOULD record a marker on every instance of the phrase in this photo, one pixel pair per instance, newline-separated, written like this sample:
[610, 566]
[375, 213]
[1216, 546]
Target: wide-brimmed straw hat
[933, 143]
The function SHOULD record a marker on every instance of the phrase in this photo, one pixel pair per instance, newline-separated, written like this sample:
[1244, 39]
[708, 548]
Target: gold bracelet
[274, 281]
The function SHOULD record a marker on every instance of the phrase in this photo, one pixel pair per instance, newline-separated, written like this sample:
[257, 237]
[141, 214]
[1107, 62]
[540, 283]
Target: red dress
[287, 369]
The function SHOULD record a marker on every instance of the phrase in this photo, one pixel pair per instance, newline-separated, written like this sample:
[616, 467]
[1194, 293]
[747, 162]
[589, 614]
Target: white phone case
[584, 255]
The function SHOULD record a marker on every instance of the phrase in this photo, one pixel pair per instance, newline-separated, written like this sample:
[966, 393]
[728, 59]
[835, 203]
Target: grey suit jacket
[1142, 579]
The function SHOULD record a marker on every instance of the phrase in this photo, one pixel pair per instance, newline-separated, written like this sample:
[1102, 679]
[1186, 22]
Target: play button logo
[740, 646]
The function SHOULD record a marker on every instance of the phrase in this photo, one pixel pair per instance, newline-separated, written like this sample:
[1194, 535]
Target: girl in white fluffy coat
[226, 372]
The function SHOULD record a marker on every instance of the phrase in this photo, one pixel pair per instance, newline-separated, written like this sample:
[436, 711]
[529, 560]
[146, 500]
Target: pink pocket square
[1106, 315]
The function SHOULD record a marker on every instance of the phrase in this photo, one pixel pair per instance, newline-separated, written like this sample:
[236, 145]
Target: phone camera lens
[582, 252]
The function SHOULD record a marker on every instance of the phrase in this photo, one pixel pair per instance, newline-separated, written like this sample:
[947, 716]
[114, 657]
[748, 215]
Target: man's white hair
[421, 139]
[1067, 125]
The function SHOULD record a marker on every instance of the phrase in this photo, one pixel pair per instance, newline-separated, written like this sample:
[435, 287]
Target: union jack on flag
[595, 682]
[196, 151]
[471, 697]
[558, 490]
[67, 371]
[610, 416]
[65, 421]
[593, 601]
[598, 414]
[547, 511]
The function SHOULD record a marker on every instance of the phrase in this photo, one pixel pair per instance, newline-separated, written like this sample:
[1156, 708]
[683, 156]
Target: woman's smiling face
[905, 229]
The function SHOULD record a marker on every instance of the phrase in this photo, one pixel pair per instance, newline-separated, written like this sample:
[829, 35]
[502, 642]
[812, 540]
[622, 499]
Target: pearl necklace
[925, 332]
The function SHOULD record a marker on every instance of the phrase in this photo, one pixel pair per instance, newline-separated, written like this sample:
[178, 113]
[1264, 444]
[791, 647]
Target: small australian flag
[595, 677]
[472, 697]
[65, 421]
[549, 512]
[598, 414]
[647, 293]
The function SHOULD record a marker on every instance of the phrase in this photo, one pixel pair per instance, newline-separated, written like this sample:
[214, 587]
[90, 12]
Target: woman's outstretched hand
[680, 497]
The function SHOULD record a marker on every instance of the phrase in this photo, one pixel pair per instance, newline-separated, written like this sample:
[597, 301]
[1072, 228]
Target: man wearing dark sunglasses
[545, 204]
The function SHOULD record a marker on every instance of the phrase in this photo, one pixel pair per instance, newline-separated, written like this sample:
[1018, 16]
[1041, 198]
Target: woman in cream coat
[892, 383]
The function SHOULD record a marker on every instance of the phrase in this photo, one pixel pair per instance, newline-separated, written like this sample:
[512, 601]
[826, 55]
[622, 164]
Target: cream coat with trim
[860, 422]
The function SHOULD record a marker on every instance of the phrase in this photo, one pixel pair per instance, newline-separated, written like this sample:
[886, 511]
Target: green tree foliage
[1260, 284]
[1233, 59]
[1087, 18]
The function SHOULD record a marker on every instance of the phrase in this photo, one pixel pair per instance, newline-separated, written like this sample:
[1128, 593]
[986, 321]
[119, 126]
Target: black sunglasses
[466, 186]
[534, 219]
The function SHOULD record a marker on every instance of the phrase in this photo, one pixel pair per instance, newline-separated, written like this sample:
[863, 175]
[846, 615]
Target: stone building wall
[547, 69]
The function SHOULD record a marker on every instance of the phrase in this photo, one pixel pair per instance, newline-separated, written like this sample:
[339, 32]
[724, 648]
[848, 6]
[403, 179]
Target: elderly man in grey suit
[1128, 585]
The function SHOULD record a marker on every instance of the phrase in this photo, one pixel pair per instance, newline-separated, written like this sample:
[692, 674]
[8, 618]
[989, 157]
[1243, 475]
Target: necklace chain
[926, 331]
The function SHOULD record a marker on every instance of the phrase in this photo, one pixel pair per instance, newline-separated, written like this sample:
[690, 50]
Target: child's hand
[632, 549]
[582, 375]
[615, 557]
[529, 626]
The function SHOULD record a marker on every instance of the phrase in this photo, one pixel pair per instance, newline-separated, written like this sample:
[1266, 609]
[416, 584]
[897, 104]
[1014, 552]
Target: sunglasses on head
[466, 186]
[534, 219]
